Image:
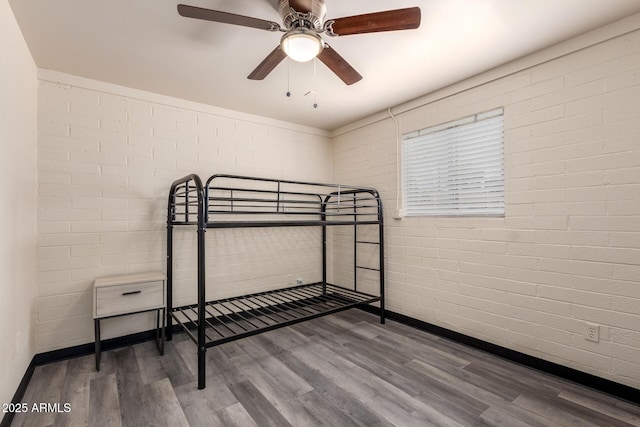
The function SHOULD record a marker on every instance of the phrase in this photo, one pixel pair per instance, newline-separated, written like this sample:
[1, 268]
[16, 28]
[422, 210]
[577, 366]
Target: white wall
[568, 248]
[107, 156]
[18, 188]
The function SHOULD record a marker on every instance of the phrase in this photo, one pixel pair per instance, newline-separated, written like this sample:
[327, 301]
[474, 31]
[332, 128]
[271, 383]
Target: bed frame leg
[169, 283]
[202, 352]
[381, 257]
[168, 329]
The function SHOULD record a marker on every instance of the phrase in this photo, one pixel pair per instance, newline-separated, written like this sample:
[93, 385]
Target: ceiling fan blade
[226, 18]
[268, 64]
[339, 65]
[390, 20]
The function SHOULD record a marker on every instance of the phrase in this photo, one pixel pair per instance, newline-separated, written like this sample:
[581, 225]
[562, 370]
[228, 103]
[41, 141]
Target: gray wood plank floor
[340, 370]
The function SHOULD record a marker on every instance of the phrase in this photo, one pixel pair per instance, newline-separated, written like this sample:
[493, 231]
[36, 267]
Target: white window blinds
[456, 168]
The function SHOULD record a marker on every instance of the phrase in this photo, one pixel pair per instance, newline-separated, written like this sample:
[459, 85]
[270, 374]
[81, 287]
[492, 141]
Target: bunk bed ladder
[379, 269]
[357, 267]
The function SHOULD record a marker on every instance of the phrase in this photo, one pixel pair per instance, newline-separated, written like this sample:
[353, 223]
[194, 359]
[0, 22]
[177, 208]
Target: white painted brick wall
[567, 250]
[105, 163]
[18, 174]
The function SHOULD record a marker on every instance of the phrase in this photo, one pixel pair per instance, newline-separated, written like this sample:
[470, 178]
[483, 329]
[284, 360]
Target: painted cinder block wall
[18, 189]
[567, 250]
[106, 158]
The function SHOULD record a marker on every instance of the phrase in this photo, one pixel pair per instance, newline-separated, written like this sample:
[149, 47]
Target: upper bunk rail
[257, 190]
[220, 201]
[232, 199]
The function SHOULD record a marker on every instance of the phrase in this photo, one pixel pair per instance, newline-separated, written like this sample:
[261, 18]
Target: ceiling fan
[304, 22]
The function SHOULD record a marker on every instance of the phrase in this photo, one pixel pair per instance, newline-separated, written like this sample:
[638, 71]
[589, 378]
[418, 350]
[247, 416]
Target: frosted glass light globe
[301, 44]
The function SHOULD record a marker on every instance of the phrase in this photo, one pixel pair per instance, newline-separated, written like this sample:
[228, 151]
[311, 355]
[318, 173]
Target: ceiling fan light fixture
[301, 44]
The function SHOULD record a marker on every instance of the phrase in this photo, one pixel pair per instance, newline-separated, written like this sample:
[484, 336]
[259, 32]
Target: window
[456, 168]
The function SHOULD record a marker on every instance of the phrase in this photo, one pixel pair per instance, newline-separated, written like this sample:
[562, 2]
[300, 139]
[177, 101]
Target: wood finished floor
[340, 370]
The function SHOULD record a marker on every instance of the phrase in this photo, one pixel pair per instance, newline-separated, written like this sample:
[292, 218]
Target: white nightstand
[122, 295]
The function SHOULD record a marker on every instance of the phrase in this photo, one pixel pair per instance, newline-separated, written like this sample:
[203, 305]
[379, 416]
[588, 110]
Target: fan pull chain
[288, 77]
[315, 82]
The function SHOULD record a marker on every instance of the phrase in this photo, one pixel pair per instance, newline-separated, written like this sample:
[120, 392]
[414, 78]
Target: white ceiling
[145, 44]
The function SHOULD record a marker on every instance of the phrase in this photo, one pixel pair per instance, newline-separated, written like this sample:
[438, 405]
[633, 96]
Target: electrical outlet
[592, 332]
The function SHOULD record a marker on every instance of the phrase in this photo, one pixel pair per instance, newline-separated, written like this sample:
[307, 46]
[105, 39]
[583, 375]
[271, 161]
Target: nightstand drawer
[128, 298]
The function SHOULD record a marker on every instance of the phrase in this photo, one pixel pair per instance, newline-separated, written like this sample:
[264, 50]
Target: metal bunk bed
[230, 201]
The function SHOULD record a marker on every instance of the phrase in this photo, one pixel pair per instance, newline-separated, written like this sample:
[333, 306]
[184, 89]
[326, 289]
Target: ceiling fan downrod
[307, 13]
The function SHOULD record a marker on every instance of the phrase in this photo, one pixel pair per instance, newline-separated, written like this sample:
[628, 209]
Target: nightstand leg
[97, 332]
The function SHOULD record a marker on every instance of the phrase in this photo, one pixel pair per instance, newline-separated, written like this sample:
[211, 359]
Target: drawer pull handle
[130, 293]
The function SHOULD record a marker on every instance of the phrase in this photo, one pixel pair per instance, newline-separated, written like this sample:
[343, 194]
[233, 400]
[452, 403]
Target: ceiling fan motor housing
[306, 13]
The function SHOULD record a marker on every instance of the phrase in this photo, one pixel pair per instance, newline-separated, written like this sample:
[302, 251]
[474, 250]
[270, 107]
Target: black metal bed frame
[232, 201]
